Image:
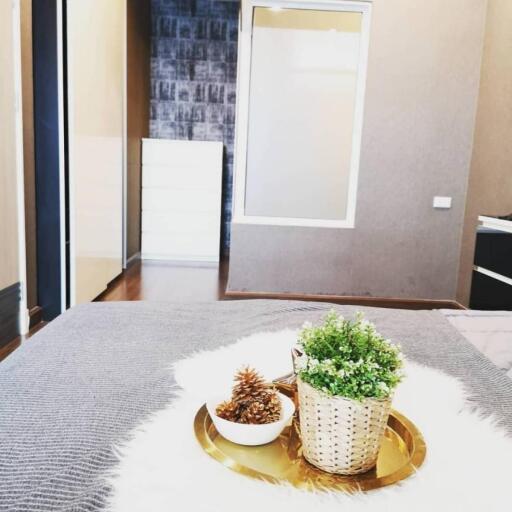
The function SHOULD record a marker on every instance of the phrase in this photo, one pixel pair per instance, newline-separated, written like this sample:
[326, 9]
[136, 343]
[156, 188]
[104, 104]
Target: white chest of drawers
[181, 199]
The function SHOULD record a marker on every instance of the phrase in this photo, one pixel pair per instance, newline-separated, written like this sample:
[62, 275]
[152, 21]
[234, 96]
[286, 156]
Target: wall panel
[422, 86]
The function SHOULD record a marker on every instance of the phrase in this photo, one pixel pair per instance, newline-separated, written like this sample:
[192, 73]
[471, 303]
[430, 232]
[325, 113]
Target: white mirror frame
[242, 110]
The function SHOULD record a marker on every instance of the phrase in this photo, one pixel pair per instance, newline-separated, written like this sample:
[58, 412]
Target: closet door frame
[49, 149]
[24, 319]
[125, 137]
[63, 169]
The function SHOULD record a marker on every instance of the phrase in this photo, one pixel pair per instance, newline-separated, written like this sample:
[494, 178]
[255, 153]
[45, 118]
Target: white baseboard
[180, 258]
[24, 321]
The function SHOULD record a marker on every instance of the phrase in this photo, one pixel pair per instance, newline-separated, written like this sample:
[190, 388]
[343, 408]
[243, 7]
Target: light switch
[442, 202]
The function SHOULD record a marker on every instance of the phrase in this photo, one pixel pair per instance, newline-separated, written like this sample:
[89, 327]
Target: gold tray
[403, 450]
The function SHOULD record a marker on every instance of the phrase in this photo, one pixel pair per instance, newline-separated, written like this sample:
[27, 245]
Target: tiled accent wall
[193, 78]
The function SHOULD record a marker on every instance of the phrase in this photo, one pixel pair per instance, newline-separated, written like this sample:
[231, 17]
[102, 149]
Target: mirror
[303, 111]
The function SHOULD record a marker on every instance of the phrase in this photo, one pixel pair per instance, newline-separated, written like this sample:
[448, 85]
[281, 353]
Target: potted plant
[346, 376]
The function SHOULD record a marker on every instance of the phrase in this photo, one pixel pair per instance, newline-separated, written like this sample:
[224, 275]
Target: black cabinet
[491, 287]
[489, 293]
[493, 251]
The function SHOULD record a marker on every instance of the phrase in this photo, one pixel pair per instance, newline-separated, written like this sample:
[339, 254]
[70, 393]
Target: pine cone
[259, 413]
[254, 413]
[273, 406]
[249, 386]
[254, 401]
[228, 410]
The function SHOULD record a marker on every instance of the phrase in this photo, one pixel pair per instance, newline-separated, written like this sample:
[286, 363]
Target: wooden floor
[14, 344]
[169, 281]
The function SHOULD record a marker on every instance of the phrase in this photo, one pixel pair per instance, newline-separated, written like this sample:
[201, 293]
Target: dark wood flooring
[15, 343]
[169, 281]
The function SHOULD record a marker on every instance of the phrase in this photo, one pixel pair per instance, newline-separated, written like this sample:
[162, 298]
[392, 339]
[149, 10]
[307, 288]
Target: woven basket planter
[340, 435]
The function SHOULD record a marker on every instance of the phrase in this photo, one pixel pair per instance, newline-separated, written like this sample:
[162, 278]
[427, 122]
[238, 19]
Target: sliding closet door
[95, 74]
[11, 163]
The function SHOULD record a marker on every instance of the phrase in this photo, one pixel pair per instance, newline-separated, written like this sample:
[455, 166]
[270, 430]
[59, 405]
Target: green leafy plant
[349, 358]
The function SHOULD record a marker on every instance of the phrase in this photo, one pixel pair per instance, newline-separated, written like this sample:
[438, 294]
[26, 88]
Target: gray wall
[490, 182]
[422, 87]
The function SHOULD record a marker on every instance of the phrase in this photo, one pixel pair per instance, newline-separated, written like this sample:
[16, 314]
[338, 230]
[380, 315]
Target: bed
[489, 331]
[79, 386]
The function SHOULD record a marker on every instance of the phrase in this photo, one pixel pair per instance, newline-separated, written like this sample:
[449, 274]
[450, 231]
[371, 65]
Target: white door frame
[62, 158]
[125, 137]
[242, 109]
[24, 317]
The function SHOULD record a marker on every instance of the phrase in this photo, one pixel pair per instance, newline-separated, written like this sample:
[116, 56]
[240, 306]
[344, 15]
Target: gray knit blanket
[79, 386]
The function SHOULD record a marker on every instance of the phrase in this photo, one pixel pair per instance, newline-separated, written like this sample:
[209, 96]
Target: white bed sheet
[489, 331]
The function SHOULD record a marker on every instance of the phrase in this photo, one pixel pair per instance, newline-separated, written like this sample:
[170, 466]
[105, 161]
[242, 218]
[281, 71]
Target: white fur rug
[162, 468]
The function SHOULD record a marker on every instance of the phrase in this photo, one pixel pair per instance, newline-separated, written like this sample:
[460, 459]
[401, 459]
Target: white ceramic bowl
[250, 435]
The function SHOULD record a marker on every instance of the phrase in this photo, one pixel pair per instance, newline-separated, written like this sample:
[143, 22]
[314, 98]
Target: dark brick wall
[193, 78]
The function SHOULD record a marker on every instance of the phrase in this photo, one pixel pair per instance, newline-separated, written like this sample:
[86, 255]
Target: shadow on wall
[193, 79]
